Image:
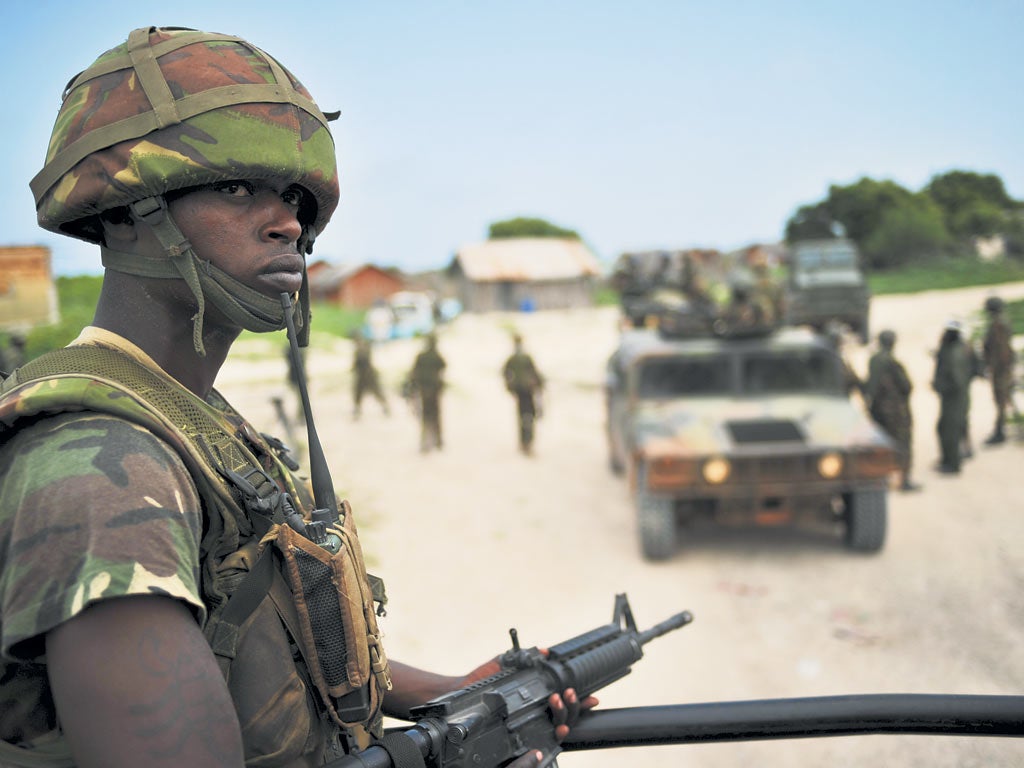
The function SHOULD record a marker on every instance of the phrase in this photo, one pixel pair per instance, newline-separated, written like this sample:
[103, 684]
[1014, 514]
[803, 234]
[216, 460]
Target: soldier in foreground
[524, 381]
[998, 359]
[887, 394]
[152, 606]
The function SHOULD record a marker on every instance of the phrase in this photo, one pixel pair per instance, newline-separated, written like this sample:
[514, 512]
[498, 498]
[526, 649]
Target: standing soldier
[851, 381]
[426, 383]
[950, 380]
[998, 358]
[367, 380]
[13, 355]
[767, 292]
[975, 366]
[148, 614]
[887, 394]
[524, 381]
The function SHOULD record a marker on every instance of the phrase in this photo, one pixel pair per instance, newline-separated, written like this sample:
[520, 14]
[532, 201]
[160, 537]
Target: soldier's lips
[284, 274]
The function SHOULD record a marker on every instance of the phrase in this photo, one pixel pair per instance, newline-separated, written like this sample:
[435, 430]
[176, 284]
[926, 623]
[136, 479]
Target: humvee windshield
[804, 371]
[811, 370]
[826, 256]
[680, 377]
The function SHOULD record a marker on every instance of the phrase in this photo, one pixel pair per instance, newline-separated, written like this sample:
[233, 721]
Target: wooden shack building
[524, 274]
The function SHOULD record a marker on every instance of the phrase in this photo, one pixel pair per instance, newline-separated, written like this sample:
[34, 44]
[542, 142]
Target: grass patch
[954, 273]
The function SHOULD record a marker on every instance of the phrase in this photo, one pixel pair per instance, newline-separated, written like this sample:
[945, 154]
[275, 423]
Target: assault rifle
[497, 719]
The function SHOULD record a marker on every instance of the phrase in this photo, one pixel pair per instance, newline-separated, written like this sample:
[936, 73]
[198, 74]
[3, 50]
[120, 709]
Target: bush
[904, 235]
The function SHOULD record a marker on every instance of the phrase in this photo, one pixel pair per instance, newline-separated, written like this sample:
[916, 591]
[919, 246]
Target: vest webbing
[167, 408]
[103, 380]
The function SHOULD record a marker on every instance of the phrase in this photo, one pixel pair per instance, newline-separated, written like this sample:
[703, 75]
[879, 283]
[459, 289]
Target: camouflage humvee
[754, 429]
[826, 284]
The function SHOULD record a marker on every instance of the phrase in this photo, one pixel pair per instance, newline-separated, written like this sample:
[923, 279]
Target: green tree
[811, 222]
[528, 227]
[890, 224]
[904, 235]
[974, 204]
[861, 206]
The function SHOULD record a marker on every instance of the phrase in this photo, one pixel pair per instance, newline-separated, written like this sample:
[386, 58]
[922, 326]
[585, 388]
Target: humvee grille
[764, 431]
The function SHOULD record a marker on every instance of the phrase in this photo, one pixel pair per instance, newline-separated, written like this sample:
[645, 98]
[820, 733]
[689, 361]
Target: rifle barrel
[674, 622]
[952, 714]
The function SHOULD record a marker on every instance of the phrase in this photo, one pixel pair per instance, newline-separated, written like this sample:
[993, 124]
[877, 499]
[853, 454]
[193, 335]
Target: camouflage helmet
[174, 108]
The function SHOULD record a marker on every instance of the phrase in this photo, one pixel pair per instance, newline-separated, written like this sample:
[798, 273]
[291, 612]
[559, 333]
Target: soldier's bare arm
[135, 683]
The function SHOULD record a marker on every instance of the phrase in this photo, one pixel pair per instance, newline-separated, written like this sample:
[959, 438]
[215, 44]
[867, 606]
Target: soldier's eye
[234, 188]
[294, 196]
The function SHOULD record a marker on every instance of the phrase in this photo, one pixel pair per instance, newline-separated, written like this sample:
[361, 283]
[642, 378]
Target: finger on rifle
[529, 760]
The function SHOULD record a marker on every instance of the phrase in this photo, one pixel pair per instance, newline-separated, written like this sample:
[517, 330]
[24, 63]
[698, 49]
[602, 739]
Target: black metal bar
[951, 714]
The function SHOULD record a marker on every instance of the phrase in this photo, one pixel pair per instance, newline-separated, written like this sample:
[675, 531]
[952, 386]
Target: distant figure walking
[950, 380]
[524, 381]
[366, 379]
[13, 354]
[998, 358]
[425, 383]
[887, 395]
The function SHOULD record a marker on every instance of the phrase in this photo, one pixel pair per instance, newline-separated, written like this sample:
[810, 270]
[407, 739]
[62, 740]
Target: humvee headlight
[830, 465]
[716, 471]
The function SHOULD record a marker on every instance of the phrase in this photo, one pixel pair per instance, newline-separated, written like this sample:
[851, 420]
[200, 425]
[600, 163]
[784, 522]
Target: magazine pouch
[339, 637]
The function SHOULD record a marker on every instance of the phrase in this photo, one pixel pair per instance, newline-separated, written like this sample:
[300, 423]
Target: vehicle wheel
[656, 518]
[865, 520]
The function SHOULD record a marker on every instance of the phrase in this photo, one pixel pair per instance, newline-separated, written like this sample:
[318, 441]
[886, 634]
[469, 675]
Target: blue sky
[640, 124]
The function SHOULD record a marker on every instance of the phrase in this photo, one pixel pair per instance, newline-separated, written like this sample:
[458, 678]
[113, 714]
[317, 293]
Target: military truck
[748, 429]
[825, 284]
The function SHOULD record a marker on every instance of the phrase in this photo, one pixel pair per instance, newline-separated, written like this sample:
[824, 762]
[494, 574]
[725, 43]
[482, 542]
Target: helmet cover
[173, 108]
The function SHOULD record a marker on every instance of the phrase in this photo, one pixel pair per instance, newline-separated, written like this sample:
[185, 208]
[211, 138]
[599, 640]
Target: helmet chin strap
[241, 304]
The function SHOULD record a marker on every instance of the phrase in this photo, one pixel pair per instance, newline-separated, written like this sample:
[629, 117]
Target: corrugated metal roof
[326, 276]
[527, 258]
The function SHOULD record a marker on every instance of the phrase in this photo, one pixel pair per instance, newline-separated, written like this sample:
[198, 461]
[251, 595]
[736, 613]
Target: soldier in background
[976, 366]
[851, 381]
[524, 381]
[425, 383]
[998, 359]
[887, 395]
[745, 312]
[366, 379]
[767, 292]
[12, 355]
[950, 380]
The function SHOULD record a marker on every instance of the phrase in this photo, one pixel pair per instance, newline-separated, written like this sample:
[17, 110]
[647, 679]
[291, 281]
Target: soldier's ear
[118, 227]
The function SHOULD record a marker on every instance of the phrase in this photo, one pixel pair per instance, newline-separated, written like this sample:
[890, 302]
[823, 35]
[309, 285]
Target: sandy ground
[478, 538]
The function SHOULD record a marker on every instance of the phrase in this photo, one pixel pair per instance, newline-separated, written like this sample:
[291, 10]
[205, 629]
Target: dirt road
[479, 538]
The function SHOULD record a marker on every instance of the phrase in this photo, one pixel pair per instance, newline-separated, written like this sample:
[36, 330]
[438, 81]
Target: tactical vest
[285, 614]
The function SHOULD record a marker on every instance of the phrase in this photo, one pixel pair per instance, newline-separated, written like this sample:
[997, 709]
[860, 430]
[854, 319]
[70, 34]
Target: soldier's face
[248, 228]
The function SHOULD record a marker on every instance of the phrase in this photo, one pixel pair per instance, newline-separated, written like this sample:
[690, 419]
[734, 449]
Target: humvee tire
[865, 520]
[656, 520]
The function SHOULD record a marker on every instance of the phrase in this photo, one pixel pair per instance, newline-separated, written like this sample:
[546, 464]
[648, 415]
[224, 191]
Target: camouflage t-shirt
[139, 535]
